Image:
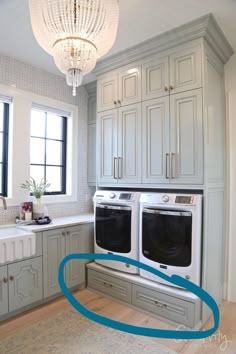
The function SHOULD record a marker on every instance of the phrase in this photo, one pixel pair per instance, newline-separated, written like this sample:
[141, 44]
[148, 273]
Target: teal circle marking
[142, 331]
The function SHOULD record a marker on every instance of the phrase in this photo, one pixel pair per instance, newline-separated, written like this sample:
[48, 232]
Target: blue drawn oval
[150, 332]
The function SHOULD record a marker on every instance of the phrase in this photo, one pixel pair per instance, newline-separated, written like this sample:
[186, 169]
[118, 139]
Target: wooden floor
[224, 341]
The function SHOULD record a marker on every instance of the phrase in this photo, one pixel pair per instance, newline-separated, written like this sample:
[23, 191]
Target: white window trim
[19, 146]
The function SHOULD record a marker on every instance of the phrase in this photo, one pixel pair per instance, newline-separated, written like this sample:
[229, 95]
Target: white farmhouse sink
[15, 243]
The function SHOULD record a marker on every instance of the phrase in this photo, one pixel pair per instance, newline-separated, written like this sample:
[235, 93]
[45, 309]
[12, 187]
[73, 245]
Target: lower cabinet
[57, 244]
[164, 305]
[20, 284]
[3, 290]
[117, 288]
[30, 281]
[174, 308]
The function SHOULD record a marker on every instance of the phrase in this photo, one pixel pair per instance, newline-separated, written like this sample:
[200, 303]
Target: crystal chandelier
[75, 32]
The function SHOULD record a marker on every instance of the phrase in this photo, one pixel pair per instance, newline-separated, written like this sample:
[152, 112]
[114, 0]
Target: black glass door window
[167, 237]
[113, 228]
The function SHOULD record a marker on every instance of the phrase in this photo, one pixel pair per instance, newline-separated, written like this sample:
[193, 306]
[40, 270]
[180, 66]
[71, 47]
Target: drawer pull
[107, 285]
[5, 280]
[158, 304]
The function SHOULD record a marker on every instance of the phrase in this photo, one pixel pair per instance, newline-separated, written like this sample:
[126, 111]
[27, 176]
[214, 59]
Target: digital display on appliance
[125, 196]
[183, 199]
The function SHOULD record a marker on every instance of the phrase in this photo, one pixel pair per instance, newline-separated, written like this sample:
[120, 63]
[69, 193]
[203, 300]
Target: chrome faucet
[4, 203]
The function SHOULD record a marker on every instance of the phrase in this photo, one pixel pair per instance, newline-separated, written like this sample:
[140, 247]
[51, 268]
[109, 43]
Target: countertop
[60, 222]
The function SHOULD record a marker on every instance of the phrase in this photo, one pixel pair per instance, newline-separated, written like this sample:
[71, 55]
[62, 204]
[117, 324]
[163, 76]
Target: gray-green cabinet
[25, 283]
[176, 307]
[173, 139]
[92, 109]
[119, 137]
[3, 290]
[57, 244]
[20, 284]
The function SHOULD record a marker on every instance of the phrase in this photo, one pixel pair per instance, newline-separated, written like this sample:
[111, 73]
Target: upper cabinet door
[107, 143]
[185, 70]
[107, 93]
[155, 78]
[129, 86]
[186, 147]
[155, 141]
[129, 144]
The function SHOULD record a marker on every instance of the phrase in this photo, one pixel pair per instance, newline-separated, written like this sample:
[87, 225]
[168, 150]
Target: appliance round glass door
[167, 236]
[113, 227]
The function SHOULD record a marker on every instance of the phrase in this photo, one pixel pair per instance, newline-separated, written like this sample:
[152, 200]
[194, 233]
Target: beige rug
[68, 332]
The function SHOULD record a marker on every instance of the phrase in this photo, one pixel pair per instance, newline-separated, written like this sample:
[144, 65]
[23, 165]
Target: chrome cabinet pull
[119, 168]
[159, 304]
[172, 175]
[114, 167]
[167, 158]
[107, 285]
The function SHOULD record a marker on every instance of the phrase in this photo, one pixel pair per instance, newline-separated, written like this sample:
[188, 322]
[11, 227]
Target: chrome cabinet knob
[112, 195]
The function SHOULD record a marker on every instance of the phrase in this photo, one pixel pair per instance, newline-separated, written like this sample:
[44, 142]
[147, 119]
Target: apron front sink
[16, 244]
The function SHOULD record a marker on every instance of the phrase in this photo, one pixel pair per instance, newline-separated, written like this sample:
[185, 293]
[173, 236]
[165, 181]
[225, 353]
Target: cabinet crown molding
[204, 27]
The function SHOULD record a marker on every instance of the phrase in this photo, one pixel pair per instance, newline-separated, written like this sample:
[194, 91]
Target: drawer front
[114, 287]
[167, 306]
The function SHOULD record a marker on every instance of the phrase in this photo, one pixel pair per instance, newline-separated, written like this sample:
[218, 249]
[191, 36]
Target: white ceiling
[139, 20]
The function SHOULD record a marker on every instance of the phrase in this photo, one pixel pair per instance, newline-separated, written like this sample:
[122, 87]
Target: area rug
[68, 332]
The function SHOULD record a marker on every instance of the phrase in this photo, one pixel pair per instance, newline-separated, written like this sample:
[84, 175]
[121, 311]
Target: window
[48, 148]
[4, 128]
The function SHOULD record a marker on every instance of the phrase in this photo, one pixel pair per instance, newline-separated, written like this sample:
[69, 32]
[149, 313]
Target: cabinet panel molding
[25, 287]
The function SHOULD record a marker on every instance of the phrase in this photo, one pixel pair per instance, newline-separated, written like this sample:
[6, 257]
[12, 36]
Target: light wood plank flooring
[224, 341]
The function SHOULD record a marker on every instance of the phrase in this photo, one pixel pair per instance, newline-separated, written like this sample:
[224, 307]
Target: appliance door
[113, 227]
[167, 236]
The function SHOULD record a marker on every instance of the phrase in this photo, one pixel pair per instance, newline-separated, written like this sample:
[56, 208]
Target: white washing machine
[116, 227]
[170, 235]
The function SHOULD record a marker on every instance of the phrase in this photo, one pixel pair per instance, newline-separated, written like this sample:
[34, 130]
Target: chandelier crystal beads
[75, 32]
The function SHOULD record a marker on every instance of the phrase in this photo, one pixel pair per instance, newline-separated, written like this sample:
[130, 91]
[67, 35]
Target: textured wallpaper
[28, 78]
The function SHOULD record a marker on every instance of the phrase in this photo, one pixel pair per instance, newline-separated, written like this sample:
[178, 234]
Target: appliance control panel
[170, 198]
[116, 196]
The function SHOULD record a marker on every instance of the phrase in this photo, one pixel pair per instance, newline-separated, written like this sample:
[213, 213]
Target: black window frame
[5, 142]
[63, 166]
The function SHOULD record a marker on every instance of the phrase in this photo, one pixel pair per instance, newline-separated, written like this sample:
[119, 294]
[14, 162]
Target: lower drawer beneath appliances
[108, 285]
[170, 307]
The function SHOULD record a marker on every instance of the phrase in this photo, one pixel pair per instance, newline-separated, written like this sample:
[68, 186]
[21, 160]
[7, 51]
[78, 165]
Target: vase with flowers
[37, 189]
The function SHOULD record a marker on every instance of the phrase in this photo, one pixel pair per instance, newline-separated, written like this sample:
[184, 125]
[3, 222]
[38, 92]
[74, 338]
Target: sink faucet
[4, 203]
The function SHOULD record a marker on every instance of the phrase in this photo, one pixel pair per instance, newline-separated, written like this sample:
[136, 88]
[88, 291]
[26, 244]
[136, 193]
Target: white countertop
[61, 222]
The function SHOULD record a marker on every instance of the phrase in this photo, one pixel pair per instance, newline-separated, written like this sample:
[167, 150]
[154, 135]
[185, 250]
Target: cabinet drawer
[114, 287]
[167, 306]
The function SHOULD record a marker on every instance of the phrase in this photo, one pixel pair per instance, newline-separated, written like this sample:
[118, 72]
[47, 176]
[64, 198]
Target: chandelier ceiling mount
[75, 32]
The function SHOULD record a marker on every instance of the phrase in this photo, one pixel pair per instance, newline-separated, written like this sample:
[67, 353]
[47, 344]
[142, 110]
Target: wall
[16, 74]
[230, 87]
